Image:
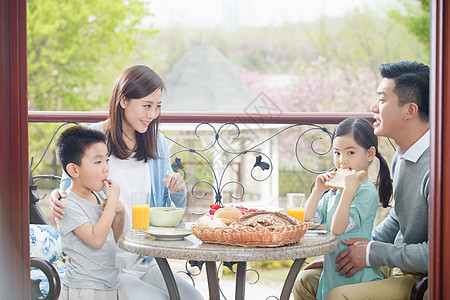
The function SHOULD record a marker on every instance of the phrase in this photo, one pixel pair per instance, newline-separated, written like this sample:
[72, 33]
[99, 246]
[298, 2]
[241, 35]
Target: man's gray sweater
[401, 240]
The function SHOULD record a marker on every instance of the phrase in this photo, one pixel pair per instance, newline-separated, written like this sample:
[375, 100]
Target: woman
[139, 161]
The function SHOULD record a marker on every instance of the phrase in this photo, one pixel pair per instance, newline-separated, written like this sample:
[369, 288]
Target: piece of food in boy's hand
[337, 182]
[228, 214]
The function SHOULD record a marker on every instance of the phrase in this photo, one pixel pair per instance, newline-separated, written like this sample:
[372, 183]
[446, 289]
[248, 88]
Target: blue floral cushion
[45, 243]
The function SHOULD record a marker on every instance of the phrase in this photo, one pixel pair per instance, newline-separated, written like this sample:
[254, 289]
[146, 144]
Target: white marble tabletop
[314, 243]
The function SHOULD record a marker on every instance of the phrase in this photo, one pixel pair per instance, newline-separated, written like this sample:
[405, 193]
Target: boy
[93, 223]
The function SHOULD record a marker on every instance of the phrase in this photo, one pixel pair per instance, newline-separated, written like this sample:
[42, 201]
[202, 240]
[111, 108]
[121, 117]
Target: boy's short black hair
[73, 142]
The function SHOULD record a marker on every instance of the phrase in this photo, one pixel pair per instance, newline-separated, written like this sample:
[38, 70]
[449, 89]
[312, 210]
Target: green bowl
[164, 217]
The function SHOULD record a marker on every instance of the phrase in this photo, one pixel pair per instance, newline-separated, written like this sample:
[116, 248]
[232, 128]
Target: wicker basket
[247, 236]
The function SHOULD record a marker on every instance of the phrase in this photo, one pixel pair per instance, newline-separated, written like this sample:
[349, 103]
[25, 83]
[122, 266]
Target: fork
[172, 205]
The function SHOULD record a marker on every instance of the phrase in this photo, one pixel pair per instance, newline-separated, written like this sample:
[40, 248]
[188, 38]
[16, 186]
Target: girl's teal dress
[363, 210]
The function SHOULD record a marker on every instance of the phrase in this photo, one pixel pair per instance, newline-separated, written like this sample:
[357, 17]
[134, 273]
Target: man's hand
[352, 259]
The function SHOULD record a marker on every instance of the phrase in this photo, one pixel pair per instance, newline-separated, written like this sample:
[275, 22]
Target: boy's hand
[352, 182]
[120, 208]
[112, 190]
[321, 179]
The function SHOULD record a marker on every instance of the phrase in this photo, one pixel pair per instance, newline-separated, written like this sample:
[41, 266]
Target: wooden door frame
[14, 207]
[440, 147]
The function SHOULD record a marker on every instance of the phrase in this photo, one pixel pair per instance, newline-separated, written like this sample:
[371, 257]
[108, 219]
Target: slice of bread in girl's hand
[337, 182]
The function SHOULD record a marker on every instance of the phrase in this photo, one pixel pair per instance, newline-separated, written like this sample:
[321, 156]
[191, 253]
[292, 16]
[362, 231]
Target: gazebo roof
[204, 80]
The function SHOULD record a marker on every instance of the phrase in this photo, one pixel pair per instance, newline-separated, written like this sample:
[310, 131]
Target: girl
[139, 161]
[349, 213]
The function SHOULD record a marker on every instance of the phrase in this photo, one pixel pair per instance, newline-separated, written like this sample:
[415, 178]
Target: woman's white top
[132, 176]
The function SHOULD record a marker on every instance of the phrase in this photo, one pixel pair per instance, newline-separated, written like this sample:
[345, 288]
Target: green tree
[370, 38]
[77, 48]
[416, 18]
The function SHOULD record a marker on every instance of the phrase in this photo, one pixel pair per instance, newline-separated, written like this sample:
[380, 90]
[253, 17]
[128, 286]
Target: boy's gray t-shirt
[87, 267]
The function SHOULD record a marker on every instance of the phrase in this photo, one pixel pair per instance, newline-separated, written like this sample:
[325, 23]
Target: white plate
[314, 225]
[317, 231]
[168, 233]
[271, 209]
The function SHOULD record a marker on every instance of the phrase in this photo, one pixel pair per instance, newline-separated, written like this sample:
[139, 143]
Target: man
[400, 242]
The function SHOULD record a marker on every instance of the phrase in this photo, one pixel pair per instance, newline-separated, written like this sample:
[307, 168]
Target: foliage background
[77, 48]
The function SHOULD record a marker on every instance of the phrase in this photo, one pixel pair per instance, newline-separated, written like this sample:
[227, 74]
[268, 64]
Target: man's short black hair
[412, 81]
[73, 142]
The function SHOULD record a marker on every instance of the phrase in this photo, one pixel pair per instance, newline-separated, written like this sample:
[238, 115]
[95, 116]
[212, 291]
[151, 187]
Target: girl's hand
[56, 206]
[174, 182]
[352, 182]
[321, 179]
[318, 263]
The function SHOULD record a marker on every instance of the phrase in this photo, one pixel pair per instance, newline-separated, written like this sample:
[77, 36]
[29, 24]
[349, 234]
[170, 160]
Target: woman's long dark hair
[362, 131]
[134, 83]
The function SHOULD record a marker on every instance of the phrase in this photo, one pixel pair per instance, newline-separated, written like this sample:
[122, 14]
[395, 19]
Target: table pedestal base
[290, 279]
[213, 279]
[169, 279]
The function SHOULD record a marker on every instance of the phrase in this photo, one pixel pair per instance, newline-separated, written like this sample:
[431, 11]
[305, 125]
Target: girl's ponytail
[384, 181]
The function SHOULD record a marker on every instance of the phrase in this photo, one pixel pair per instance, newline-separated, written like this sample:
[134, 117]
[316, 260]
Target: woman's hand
[56, 206]
[174, 182]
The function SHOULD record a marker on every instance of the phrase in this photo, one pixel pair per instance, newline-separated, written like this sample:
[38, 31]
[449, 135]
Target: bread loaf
[206, 221]
[227, 214]
[337, 182]
[262, 218]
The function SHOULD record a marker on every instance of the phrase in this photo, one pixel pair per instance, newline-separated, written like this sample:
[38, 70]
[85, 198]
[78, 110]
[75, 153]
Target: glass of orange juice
[296, 206]
[140, 211]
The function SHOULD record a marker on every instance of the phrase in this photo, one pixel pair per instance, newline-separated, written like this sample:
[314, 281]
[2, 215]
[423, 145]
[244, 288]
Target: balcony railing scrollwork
[263, 161]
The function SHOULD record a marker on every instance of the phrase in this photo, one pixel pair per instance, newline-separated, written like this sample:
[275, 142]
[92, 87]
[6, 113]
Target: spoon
[172, 205]
[199, 213]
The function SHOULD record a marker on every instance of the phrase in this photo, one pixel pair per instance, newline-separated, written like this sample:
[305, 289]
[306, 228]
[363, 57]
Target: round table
[314, 243]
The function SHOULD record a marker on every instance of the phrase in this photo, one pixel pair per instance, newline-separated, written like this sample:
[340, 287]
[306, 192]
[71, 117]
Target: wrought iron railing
[225, 121]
